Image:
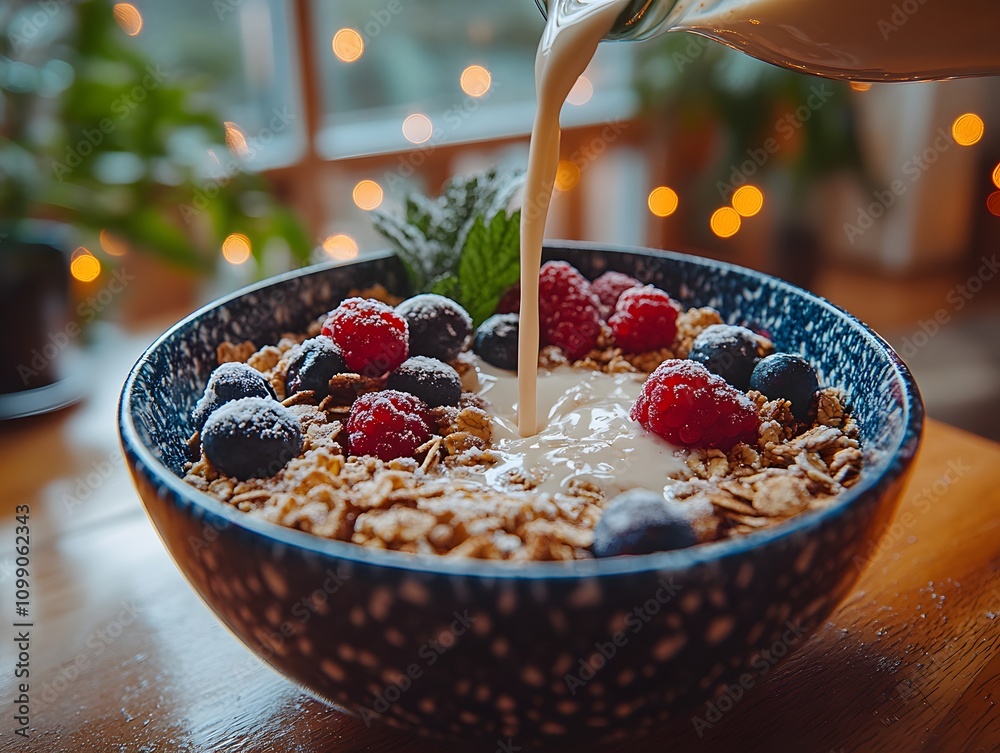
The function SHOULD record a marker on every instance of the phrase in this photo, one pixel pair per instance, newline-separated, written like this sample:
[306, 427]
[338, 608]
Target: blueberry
[251, 438]
[230, 381]
[496, 341]
[727, 350]
[783, 375]
[315, 361]
[439, 327]
[640, 521]
[433, 381]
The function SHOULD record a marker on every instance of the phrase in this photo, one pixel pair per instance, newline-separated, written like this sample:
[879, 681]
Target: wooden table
[124, 657]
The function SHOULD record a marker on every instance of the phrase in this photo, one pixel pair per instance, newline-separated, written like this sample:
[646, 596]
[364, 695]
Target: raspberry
[569, 312]
[388, 424]
[371, 336]
[610, 286]
[644, 319]
[688, 405]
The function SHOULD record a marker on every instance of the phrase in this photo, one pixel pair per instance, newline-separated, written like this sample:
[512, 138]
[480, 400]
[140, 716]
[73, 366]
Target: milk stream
[572, 33]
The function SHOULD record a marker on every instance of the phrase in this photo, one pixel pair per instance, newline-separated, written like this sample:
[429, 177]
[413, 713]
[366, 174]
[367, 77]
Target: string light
[341, 247]
[967, 129]
[348, 45]
[367, 195]
[417, 128]
[567, 175]
[112, 246]
[748, 201]
[581, 92]
[84, 266]
[725, 222]
[663, 201]
[476, 80]
[128, 17]
[236, 248]
[236, 140]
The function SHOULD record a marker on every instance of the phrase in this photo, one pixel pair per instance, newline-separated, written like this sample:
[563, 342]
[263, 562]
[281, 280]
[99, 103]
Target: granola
[437, 501]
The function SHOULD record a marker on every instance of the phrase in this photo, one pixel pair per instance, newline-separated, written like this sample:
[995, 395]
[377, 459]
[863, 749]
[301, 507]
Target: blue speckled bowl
[479, 650]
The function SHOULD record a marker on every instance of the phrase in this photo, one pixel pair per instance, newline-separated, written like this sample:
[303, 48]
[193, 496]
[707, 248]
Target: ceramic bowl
[541, 654]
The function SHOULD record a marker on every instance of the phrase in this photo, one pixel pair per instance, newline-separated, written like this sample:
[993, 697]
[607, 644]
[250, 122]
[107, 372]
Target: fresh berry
[388, 424]
[510, 302]
[688, 405]
[496, 341]
[314, 362]
[371, 336]
[641, 521]
[433, 381]
[727, 350]
[230, 381]
[644, 319]
[569, 313]
[783, 375]
[252, 437]
[439, 327]
[610, 286]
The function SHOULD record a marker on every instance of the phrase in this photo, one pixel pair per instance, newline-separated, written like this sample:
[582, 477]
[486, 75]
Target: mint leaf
[446, 285]
[489, 264]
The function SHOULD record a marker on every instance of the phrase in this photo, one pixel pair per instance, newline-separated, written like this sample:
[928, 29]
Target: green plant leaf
[489, 264]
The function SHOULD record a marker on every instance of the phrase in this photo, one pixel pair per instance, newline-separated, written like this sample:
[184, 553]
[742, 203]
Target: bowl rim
[899, 458]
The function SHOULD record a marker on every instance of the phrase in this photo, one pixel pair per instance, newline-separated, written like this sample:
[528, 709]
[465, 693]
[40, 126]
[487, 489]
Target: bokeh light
[967, 129]
[128, 17]
[341, 247]
[417, 128]
[581, 92]
[663, 201]
[996, 176]
[367, 195]
[236, 248]
[476, 80]
[84, 266]
[112, 245]
[567, 175]
[748, 200]
[993, 203]
[348, 45]
[236, 140]
[861, 86]
[725, 222]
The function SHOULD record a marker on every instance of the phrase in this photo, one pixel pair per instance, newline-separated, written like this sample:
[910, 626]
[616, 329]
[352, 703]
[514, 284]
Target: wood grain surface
[124, 657]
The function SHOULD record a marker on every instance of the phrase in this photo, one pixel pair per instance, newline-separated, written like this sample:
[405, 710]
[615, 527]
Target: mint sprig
[462, 244]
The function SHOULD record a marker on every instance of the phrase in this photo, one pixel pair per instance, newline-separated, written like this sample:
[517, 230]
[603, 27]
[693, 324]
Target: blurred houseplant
[96, 135]
[739, 121]
[99, 139]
